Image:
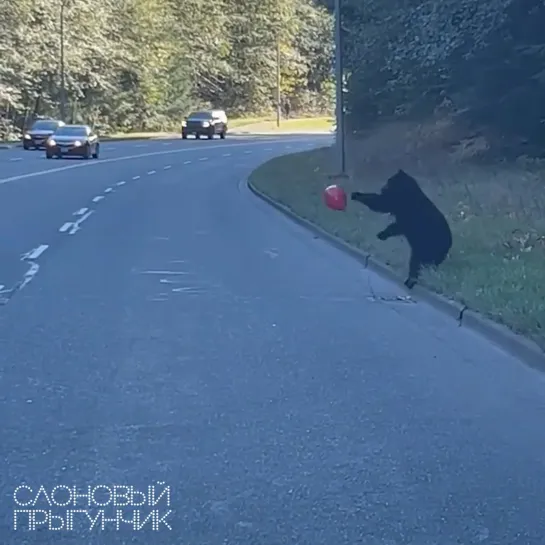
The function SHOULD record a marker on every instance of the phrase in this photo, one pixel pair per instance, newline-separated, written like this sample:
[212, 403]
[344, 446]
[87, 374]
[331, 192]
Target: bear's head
[399, 193]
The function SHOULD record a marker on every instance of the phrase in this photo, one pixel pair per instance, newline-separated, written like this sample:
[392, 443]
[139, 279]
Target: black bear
[415, 217]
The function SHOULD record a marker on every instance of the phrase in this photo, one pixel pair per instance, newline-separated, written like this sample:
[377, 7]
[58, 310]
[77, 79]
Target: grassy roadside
[249, 124]
[233, 123]
[310, 124]
[497, 214]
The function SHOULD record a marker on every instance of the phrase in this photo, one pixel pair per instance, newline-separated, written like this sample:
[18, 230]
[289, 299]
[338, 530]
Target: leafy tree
[142, 64]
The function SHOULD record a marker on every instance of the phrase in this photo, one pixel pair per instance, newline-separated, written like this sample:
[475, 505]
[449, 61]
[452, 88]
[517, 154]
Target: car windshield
[44, 126]
[71, 131]
[200, 115]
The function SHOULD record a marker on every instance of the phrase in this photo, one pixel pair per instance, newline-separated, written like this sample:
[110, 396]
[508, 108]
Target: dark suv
[36, 137]
[207, 123]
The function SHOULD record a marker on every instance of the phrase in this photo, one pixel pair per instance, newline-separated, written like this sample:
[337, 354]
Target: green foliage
[483, 59]
[142, 64]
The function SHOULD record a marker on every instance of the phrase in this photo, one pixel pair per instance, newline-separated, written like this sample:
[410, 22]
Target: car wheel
[222, 135]
[97, 152]
[48, 155]
[87, 152]
[184, 136]
[211, 134]
[26, 146]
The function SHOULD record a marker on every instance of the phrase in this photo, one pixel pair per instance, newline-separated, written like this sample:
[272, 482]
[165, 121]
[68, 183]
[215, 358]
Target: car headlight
[77, 143]
[51, 142]
[205, 124]
[28, 137]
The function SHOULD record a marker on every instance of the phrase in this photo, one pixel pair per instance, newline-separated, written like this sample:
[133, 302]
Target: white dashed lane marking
[108, 190]
[151, 172]
[98, 198]
[16, 159]
[203, 159]
[36, 252]
[136, 177]
[120, 183]
[226, 155]
[187, 162]
[168, 167]
[65, 227]
[76, 226]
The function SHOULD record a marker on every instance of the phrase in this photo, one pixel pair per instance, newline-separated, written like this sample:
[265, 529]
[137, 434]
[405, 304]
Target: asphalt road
[187, 334]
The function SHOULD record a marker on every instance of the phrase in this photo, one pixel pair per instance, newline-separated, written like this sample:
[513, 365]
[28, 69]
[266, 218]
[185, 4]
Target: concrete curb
[516, 345]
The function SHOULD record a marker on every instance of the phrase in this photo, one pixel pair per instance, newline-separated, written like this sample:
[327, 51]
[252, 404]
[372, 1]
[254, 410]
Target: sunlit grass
[497, 215]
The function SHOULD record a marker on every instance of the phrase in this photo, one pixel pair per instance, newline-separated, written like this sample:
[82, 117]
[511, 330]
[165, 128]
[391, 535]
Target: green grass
[233, 123]
[310, 124]
[497, 214]
[243, 121]
[251, 124]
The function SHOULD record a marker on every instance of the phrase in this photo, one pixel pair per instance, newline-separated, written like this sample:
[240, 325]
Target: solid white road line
[166, 273]
[29, 275]
[142, 156]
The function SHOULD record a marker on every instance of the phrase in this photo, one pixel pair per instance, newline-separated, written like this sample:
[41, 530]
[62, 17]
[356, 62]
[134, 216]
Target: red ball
[335, 197]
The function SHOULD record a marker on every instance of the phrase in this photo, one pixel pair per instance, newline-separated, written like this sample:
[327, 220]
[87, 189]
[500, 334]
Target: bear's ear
[399, 183]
